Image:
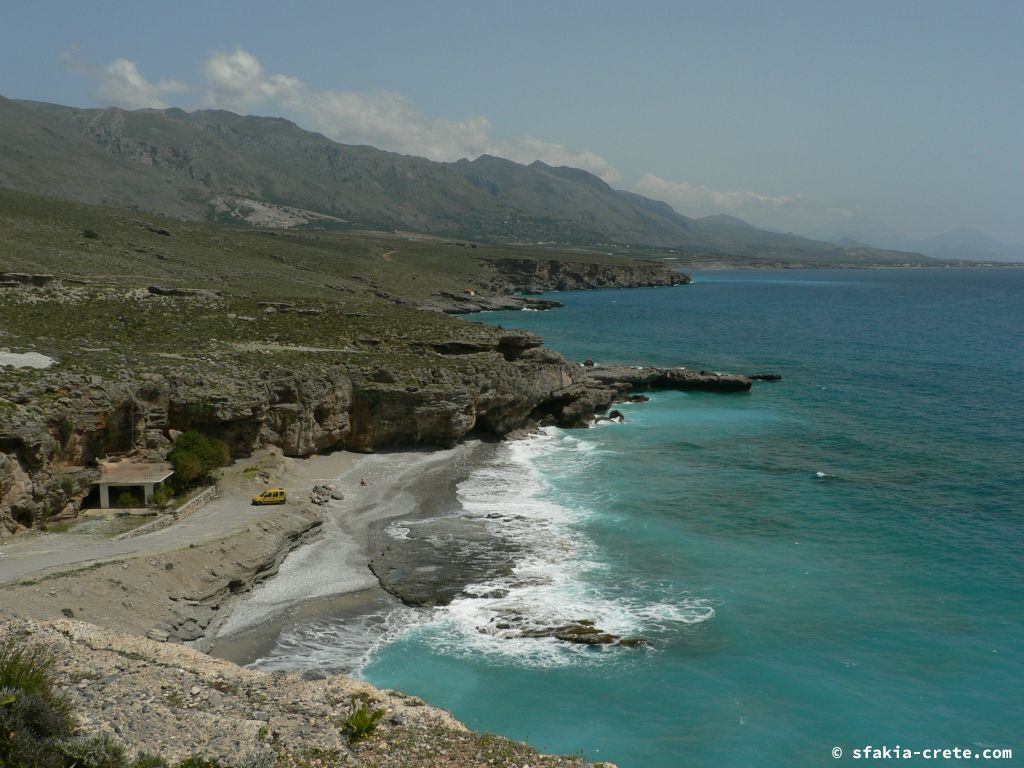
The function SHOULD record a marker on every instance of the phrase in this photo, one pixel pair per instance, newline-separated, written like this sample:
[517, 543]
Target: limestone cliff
[539, 275]
[47, 451]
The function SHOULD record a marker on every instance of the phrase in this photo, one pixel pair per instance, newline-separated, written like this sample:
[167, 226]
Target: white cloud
[793, 213]
[237, 81]
[389, 121]
[696, 200]
[120, 84]
[530, 148]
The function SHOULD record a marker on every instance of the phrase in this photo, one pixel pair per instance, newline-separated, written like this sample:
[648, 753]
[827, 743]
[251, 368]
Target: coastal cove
[830, 560]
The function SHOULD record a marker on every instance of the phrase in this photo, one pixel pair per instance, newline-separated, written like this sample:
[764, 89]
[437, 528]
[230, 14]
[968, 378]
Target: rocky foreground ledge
[174, 701]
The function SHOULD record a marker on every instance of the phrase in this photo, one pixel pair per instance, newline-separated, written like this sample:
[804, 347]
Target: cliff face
[46, 453]
[539, 275]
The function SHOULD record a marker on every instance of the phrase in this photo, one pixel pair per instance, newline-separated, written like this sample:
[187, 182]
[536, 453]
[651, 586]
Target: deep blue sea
[833, 560]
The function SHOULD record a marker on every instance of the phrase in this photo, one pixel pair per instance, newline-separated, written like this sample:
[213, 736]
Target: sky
[788, 114]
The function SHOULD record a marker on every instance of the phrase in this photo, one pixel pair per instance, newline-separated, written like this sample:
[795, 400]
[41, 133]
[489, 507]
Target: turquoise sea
[833, 560]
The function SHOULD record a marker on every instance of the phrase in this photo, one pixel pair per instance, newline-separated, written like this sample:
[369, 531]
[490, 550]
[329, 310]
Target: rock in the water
[627, 378]
[581, 632]
[634, 642]
[440, 558]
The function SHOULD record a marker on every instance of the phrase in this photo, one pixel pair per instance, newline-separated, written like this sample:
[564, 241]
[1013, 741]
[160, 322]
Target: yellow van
[270, 496]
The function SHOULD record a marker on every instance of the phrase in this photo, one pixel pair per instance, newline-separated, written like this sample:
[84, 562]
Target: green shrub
[28, 727]
[198, 761]
[265, 759]
[362, 720]
[195, 456]
[26, 668]
[32, 716]
[125, 500]
[97, 750]
[67, 486]
[146, 760]
[163, 496]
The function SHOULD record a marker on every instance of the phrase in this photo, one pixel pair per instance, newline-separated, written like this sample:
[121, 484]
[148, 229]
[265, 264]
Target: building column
[148, 492]
[104, 496]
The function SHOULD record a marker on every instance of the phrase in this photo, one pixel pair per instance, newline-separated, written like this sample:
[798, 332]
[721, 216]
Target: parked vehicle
[270, 496]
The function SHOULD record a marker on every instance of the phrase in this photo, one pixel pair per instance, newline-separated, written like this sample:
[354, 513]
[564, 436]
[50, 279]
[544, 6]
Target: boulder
[321, 494]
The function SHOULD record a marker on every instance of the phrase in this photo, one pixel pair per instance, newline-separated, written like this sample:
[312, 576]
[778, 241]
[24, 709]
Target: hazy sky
[787, 114]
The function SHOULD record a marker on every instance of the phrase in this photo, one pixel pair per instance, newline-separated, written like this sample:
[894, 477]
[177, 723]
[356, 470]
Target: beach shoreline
[221, 577]
[330, 577]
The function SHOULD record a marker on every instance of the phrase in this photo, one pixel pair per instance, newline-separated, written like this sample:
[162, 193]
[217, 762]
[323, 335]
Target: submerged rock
[439, 558]
[581, 632]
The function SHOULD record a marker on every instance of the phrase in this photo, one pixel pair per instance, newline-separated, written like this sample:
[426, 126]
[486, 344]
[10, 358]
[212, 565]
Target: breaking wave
[558, 579]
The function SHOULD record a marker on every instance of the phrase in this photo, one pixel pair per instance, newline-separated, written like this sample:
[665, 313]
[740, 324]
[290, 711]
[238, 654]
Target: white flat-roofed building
[128, 474]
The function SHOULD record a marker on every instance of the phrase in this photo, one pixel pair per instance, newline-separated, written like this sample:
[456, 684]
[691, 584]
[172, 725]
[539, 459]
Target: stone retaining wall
[199, 500]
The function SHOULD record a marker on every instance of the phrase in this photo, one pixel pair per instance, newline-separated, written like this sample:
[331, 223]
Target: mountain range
[267, 171]
[956, 244]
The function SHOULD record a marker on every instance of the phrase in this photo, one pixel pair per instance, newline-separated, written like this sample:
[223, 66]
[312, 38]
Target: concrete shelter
[127, 474]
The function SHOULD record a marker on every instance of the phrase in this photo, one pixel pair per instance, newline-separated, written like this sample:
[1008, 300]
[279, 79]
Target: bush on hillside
[96, 750]
[195, 456]
[32, 717]
[36, 725]
[163, 496]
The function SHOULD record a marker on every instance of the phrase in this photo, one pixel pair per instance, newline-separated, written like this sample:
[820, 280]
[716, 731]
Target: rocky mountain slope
[212, 164]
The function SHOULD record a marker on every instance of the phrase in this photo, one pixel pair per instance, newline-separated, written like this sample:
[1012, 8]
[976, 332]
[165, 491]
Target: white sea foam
[551, 585]
[398, 530]
[337, 644]
[557, 580]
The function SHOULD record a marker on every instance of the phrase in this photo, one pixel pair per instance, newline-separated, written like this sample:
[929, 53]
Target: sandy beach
[330, 575]
[232, 575]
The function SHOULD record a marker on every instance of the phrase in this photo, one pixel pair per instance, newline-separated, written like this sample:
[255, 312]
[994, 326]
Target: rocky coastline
[384, 387]
[55, 426]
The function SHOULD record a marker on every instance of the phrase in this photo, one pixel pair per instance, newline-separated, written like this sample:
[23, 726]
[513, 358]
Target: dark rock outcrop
[539, 275]
[439, 558]
[20, 279]
[625, 379]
